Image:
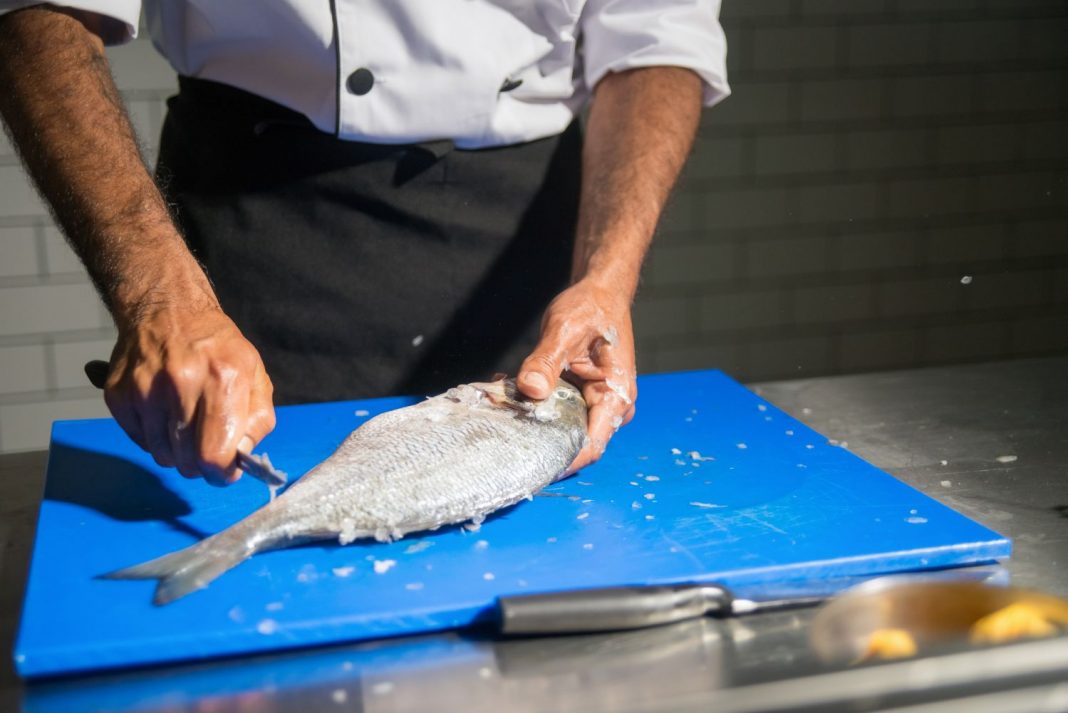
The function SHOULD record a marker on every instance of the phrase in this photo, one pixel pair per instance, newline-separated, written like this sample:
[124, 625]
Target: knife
[636, 607]
[259, 467]
[619, 608]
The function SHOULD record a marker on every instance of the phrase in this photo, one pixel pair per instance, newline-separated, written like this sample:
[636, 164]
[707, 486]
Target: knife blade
[259, 467]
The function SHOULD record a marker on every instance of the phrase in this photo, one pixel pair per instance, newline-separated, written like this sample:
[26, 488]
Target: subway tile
[977, 143]
[790, 358]
[1024, 91]
[752, 104]
[1034, 238]
[1012, 8]
[787, 256]
[49, 308]
[17, 194]
[679, 215]
[840, 202]
[22, 369]
[1007, 290]
[936, 95]
[702, 262]
[794, 47]
[886, 349]
[1044, 334]
[893, 148]
[1044, 38]
[978, 42]
[841, 99]
[919, 297]
[660, 316]
[923, 197]
[873, 251]
[714, 158]
[909, 8]
[965, 244]
[965, 342]
[827, 304]
[737, 61]
[728, 357]
[27, 427]
[747, 208]
[61, 257]
[743, 310]
[1046, 140]
[843, 7]
[70, 359]
[645, 356]
[797, 153]
[1023, 191]
[755, 9]
[18, 252]
[889, 45]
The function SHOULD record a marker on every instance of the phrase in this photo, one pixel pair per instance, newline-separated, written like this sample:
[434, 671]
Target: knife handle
[258, 467]
[609, 608]
[97, 371]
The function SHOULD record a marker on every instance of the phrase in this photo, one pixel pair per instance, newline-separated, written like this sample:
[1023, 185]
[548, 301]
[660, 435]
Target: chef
[361, 197]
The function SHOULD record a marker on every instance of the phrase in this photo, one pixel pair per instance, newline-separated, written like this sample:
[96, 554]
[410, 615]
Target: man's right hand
[188, 388]
[184, 383]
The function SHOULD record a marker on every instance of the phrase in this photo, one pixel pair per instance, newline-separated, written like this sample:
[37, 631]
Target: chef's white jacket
[479, 72]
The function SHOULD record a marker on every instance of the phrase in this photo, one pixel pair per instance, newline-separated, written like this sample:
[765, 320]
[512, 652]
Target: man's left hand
[586, 332]
[640, 128]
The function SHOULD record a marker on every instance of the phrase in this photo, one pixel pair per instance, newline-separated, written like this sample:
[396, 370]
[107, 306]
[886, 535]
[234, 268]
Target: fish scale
[453, 458]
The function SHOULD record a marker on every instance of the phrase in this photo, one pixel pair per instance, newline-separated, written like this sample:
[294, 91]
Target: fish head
[564, 405]
[569, 402]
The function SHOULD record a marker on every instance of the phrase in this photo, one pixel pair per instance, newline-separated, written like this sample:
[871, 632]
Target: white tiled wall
[874, 152]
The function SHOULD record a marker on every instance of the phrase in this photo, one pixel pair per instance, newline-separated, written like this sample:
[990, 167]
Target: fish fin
[154, 569]
[185, 571]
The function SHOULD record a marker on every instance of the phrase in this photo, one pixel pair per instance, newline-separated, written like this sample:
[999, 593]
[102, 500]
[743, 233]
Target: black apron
[362, 270]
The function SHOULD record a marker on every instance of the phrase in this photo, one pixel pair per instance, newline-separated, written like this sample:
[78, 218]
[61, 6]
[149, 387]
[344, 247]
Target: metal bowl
[935, 613]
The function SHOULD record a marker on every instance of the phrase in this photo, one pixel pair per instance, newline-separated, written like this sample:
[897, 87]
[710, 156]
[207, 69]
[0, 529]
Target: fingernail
[245, 445]
[536, 381]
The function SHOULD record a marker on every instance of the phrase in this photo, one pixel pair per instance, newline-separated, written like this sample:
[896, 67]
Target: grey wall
[873, 154]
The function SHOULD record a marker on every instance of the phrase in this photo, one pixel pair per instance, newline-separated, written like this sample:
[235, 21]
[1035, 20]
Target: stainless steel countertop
[948, 431]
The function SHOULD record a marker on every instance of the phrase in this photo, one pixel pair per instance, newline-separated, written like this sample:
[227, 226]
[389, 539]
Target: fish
[453, 458]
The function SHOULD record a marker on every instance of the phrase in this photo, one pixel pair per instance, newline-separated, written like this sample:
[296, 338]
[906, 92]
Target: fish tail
[190, 569]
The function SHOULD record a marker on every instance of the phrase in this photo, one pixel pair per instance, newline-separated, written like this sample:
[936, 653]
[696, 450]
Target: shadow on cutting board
[115, 487]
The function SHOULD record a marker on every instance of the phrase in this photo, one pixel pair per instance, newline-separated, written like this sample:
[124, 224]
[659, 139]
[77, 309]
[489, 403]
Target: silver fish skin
[452, 458]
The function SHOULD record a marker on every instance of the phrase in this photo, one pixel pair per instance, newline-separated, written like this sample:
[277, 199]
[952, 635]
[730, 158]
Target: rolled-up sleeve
[123, 14]
[624, 34]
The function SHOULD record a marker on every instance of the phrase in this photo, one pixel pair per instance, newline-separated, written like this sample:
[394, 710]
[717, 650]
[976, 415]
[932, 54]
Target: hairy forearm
[66, 117]
[640, 129]
[641, 126]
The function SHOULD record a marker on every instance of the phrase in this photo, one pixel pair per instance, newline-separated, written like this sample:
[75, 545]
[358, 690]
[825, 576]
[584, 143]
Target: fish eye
[563, 394]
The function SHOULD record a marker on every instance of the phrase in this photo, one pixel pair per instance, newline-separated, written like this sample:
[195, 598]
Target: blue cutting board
[708, 483]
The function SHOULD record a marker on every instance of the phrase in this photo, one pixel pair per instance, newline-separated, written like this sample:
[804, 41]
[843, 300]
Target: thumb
[538, 374]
